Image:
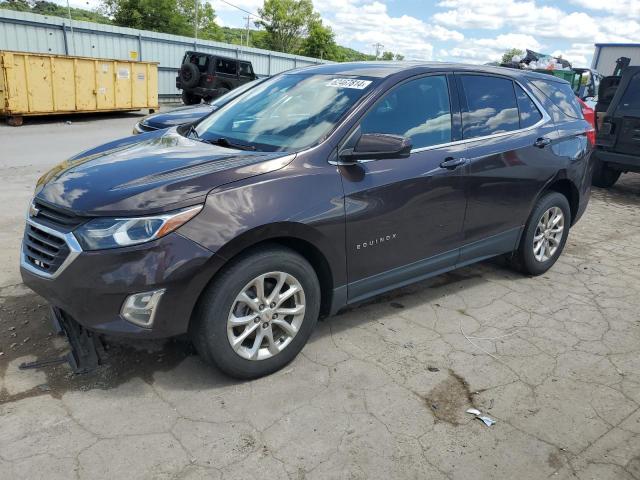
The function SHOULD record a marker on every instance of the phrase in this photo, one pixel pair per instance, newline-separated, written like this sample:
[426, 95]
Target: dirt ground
[379, 392]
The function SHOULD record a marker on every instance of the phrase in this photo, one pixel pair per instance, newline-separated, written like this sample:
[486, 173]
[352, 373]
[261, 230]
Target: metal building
[29, 32]
[606, 54]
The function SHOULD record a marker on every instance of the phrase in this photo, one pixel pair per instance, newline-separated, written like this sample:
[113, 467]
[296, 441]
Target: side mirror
[377, 146]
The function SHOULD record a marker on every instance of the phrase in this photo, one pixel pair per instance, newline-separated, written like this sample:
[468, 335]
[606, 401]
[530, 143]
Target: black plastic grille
[56, 217]
[44, 251]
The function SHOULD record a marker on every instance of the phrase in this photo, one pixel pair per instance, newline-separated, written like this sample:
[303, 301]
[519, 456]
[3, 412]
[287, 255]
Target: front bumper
[92, 288]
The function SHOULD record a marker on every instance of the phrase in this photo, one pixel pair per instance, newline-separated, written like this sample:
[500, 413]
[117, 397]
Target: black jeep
[205, 76]
[618, 127]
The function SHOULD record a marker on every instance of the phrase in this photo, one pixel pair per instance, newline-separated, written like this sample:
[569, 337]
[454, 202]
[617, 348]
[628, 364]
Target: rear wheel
[545, 235]
[604, 176]
[190, 99]
[258, 313]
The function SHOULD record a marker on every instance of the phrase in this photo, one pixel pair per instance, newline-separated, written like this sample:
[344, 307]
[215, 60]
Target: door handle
[451, 163]
[542, 142]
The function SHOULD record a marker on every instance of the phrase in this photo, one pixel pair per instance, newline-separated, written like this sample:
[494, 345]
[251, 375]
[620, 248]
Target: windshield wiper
[225, 142]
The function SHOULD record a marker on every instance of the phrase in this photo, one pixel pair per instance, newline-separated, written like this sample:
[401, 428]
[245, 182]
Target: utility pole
[247, 18]
[196, 23]
[73, 35]
[378, 46]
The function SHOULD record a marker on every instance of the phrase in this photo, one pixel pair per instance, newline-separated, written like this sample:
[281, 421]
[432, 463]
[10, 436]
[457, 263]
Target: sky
[470, 31]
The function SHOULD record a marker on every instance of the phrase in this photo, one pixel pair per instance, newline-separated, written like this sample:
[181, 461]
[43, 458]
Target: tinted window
[226, 66]
[491, 106]
[245, 69]
[529, 113]
[562, 95]
[200, 61]
[418, 109]
[631, 98]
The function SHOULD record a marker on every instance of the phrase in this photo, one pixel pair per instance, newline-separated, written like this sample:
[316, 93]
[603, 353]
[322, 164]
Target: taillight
[209, 78]
[589, 115]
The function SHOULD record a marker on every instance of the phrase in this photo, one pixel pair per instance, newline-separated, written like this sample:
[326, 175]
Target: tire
[189, 75]
[525, 259]
[190, 99]
[604, 176]
[221, 91]
[210, 331]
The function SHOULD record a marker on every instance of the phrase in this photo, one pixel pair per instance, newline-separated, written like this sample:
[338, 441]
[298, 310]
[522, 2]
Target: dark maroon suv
[317, 189]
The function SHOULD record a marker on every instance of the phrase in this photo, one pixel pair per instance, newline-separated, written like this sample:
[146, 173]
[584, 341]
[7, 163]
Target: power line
[242, 9]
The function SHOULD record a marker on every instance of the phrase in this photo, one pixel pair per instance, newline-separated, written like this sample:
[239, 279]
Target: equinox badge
[377, 241]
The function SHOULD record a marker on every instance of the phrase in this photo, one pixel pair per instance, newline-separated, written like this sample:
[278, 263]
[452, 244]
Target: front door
[404, 216]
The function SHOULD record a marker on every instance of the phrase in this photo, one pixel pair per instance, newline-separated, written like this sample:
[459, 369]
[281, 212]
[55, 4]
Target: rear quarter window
[562, 96]
[529, 113]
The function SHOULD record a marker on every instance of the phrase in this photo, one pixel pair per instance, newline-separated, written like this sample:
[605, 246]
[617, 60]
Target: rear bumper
[92, 289]
[619, 161]
[202, 91]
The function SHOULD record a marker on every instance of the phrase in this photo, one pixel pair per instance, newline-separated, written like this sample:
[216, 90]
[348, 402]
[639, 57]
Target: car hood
[179, 116]
[149, 173]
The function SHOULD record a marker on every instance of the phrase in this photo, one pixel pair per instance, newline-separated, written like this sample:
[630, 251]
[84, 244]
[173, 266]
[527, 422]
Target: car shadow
[26, 334]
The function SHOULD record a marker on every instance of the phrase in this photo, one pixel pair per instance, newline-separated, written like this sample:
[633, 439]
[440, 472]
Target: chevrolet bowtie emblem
[33, 210]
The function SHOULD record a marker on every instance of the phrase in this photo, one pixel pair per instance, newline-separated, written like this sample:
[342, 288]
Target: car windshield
[288, 112]
[236, 92]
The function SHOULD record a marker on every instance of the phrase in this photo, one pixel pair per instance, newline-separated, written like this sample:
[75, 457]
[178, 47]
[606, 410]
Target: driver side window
[419, 109]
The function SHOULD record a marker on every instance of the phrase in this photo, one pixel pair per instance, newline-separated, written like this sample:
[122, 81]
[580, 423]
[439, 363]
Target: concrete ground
[379, 392]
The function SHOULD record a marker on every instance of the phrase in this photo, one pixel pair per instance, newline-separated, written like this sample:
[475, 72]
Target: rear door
[227, 71]
[509, 158]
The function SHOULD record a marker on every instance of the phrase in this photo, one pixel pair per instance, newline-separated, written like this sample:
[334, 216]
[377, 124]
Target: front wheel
[545, 235]
[258, 313]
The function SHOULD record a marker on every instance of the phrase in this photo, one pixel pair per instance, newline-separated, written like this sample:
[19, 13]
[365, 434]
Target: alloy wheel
[548, 236]
[266, 315]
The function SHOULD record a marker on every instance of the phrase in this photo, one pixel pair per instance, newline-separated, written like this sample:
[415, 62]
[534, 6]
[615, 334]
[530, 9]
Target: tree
[208, 29]
[17, 5]
[286, 22]
[156, 15]
[166, 16]
[387, 56]
[507, 57]
[52, 9]
[320, 42]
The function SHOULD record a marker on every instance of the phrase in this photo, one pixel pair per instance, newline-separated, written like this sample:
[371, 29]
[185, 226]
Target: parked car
[618, 127]
[205, 76]
[317, 189]
[190, 114]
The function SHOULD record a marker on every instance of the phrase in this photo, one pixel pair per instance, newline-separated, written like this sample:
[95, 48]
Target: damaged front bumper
[87, 349]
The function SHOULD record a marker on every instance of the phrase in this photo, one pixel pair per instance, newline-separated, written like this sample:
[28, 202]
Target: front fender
[284, 204]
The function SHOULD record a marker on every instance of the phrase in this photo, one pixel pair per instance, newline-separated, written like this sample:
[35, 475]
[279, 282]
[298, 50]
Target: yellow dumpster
[41, 84]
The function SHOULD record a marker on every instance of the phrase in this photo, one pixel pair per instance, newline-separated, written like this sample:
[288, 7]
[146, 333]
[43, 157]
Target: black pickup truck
[206, 76]
[618, 127]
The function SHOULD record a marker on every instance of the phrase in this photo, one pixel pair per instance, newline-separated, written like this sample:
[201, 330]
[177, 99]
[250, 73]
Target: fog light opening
[140, 308]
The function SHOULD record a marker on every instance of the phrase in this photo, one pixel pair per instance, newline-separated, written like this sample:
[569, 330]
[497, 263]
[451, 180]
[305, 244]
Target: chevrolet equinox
[317, 189]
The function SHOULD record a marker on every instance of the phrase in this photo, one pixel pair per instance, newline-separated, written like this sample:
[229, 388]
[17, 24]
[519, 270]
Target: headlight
[101, 233]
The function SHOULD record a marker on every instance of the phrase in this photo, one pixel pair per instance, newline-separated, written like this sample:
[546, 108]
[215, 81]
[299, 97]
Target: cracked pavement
[380, 391]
